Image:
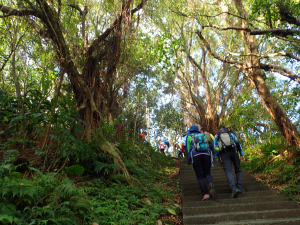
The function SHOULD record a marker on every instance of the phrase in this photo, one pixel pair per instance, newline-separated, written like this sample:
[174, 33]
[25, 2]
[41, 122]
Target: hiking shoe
[205, 197]
[212, 192]
[235, 193]
[241, 190]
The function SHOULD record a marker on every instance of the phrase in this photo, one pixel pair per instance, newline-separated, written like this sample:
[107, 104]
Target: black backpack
[225, 140]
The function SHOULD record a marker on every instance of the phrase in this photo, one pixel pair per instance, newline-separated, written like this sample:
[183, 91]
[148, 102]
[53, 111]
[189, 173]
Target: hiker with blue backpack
[228, 149]
[198, 153]
[210, 139]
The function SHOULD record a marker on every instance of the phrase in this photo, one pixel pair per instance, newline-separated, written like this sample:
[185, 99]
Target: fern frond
[66, 189]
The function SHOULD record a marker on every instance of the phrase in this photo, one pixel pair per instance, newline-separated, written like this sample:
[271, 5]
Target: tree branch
[228, 28]
[280, 32]
[195, 63]
[108, 30]
[19, 12]
[12, 51]
[282, 71]
[290, 55]
[226, 60]
[77, 8]
[287, 16]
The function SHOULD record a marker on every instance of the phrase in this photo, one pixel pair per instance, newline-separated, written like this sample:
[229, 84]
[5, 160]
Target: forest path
[258, 205]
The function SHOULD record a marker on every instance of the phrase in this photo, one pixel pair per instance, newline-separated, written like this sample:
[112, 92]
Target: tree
[91, 68]
[242, 30]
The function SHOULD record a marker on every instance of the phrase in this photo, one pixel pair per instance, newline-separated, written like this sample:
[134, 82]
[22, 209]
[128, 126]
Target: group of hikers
[164, 146]
[202, 149]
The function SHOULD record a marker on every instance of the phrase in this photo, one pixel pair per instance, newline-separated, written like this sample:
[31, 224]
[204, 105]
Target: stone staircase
[258, 205]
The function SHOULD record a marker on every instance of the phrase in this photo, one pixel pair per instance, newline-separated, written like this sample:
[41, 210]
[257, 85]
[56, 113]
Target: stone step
[238, 216]
[290, 221]
[197, 202]
[240, 207]
[220, 185]
[195, 189]
[258, 205]
[216, 181]
[257, 194]
[215, 178]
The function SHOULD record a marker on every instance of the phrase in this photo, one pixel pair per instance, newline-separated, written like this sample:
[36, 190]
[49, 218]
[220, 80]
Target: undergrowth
[277, 165]
[53, 198]
[56, 178]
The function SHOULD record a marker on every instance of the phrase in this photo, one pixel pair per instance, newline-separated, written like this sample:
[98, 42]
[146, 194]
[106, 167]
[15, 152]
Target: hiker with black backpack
[198, 153]
[227, 149]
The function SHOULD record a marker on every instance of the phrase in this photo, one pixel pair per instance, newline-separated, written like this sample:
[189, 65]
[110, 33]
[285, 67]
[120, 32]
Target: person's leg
[238, 170]
[206, 163]
[179, 154]
[211, 146]
[198, 168]
[227, 167]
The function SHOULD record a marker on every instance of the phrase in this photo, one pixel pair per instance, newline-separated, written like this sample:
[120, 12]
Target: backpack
[199, 143]
[225, 140]
[208, 137]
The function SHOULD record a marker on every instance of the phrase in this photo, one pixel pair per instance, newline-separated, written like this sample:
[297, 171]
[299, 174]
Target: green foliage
[102, 197]
[75, 170]
[271, 161]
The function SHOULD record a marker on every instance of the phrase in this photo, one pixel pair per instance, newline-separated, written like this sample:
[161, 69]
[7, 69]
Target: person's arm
[238, 145]
[189, 144]
[217, 149]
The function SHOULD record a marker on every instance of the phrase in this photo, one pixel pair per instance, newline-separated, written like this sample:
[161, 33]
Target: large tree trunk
[13, 68]
[278, 114]
[96, 62]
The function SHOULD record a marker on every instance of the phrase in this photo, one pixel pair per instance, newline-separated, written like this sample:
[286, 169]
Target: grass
[276, 165]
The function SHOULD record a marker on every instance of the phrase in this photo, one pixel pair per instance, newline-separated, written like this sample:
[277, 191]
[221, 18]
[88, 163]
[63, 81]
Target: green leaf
[172, 211]
[75, 170]
[5, 218]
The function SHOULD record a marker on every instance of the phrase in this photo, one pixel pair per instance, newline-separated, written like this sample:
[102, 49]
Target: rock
[146, 200]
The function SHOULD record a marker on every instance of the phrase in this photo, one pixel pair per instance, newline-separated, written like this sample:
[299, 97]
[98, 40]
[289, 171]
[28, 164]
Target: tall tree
[251, 65]
[91, 68]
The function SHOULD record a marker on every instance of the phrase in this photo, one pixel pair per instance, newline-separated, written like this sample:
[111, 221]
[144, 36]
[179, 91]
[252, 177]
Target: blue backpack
[200, 143]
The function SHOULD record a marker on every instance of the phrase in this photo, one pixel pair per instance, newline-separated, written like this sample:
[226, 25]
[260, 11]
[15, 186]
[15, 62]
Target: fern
[21, 188]
[66, 189]
[99, 166]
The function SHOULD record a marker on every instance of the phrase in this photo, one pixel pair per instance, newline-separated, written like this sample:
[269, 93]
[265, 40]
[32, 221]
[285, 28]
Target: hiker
[142, 136]
[167, 144]
[210, 139]
[177, 149]
[183, 144]
[162, 147]
[199, 155]
[228, 149]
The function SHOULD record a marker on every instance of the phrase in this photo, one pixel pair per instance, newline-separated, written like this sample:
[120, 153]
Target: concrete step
[257, 195]
[235, 207]
[240, 216]
[197, 202]
[220, 185]
[258, 205]
[289, 221]
[195, 189]
[216, 181]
